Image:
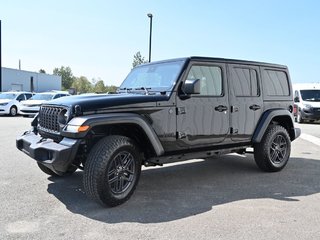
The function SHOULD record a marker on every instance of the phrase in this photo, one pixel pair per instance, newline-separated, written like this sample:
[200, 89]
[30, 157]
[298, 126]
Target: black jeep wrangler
[164, 112]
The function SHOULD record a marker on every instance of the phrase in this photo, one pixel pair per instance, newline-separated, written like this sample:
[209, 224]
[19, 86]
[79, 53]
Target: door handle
[221, 108]
[254, 107]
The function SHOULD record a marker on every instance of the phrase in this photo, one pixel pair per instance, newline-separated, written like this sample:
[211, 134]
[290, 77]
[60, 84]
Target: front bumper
[56, 156]
[29, 111]
[311, 114]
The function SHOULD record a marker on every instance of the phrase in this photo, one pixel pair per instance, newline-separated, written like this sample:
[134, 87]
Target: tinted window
[20, 97]
[57, 96]
[245, 82]
[28, 95]
[210, 79]
[276, 83]
[310, 95]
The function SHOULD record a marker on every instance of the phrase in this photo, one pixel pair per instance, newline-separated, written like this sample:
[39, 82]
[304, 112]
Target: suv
[164, 112]
[10, 102]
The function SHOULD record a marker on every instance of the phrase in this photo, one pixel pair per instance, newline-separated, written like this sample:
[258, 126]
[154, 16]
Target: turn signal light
[83, 128]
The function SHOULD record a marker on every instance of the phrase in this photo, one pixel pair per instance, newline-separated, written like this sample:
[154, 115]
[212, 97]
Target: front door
[203, 119]
[246, 104]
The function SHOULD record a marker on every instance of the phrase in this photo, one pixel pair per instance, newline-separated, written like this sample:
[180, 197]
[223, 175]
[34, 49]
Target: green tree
[138, 59]
[42, 71]
[82, 85]
[111, 89]
[99, 87]
[66, 76]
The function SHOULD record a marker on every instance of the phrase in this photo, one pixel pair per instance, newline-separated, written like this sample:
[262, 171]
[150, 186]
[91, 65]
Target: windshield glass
[153, 77]
[42, 96]
[310, 95]
[7, 95]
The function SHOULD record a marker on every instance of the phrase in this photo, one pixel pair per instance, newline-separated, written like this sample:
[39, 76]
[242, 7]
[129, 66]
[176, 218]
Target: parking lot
[219, 198]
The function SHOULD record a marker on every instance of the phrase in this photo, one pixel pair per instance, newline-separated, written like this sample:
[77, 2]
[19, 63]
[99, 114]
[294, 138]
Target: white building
[20, 80]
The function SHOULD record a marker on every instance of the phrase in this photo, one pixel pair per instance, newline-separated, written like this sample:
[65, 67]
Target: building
[20, 80]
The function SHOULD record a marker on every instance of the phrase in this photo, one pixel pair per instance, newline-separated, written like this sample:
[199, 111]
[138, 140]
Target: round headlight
[63, 117]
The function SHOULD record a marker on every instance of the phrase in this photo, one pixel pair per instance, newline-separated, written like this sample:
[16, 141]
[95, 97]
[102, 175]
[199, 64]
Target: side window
[210, 79]
[20, 97]
[276, 83]
[28, 95]
[245, 82]
[57, 96]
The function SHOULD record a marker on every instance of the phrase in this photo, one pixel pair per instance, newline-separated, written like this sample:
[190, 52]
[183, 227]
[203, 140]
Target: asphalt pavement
[219, 198]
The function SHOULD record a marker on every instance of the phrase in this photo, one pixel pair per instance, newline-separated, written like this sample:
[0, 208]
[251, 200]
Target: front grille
[48, 119]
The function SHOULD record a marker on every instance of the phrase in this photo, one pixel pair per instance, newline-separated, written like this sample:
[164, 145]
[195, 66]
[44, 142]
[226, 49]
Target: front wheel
[112, 170]
[273, 152]
[13, 111]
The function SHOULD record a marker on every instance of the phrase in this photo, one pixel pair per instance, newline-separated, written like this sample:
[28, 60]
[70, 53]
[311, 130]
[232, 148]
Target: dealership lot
[220, 198]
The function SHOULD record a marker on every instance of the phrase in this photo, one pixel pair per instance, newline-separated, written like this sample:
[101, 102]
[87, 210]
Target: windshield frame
[153, 68]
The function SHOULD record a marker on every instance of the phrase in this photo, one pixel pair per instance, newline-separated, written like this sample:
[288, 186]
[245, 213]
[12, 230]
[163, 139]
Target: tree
[111, 88]
[99, 87]
[66, 76]
[138, 59]
[42, 71]
[82, 85]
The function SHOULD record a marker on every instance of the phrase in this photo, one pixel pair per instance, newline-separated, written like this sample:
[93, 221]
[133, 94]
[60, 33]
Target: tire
[13, 111]
[273, 152]
[299, 118]
[48, 171]
[112, 170]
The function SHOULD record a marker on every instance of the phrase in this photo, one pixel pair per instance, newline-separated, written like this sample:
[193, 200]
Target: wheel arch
[128, 124]
[281, 117]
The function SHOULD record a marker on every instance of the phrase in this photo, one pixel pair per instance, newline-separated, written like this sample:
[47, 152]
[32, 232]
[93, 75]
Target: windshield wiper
[145, 90]
[125, 89]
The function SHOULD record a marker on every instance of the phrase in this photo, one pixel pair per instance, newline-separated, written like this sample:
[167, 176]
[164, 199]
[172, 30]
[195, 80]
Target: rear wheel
[112, 170]
[13, 111]
[273, 152]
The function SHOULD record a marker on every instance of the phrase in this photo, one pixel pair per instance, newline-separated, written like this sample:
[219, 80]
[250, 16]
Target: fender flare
[111, 119]
[266, 119]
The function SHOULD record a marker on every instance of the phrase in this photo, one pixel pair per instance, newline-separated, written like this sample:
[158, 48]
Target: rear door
[203, 119]
[246, 104]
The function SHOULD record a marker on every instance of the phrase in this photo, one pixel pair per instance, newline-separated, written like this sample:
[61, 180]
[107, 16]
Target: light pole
[150, 16]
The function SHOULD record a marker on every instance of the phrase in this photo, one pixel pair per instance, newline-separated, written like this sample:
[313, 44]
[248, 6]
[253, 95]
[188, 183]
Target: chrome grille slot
[48, 119]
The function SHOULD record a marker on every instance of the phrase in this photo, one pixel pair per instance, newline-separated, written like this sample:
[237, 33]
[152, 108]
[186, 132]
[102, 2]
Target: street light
[150, 16]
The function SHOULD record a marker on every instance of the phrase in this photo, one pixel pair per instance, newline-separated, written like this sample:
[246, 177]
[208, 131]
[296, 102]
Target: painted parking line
[310, 138]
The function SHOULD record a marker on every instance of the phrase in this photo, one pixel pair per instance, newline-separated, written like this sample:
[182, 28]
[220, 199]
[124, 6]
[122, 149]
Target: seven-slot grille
[48, 118]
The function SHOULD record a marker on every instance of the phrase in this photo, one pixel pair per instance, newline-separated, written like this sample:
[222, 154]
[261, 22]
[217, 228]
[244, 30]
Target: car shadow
[180, 191]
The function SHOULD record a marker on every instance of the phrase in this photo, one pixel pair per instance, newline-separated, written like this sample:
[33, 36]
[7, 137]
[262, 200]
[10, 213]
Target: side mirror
[296, 99]
[191, 87]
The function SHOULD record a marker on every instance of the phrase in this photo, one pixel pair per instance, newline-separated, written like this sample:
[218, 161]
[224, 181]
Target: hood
[100, 102]
[5, 100]
[33, 102]
[312, 103]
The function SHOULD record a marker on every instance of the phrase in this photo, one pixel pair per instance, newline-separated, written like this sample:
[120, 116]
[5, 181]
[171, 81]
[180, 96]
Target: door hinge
[180, 110]
[234, 109]
[181, 135]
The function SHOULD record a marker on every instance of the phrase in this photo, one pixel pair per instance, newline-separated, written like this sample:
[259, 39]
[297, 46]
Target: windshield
[7, 95]
[153, 77]
[310, 95]
[41, 96]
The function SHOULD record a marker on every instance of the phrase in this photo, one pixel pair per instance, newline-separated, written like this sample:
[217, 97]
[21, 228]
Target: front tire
[112, 170]
[273, 152]
[13, 111]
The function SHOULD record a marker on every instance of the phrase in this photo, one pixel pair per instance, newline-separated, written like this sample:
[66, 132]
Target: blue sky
[98, 39]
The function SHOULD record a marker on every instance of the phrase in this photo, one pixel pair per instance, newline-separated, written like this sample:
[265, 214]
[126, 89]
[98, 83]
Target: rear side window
[28, 95]
[245, 82]
[210, 79]
[276, 83]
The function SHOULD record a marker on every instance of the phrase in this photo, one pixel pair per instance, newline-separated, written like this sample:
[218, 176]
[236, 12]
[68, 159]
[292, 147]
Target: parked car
[10, 102]
[164, 112]
[31, 107]
[306, 102]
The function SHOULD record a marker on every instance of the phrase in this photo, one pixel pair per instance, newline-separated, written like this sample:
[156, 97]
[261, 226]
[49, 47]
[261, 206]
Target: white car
[31, 107]
[10, 102]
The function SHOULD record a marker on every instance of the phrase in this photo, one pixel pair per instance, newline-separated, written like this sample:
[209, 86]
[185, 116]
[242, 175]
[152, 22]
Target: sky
[98, 38]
